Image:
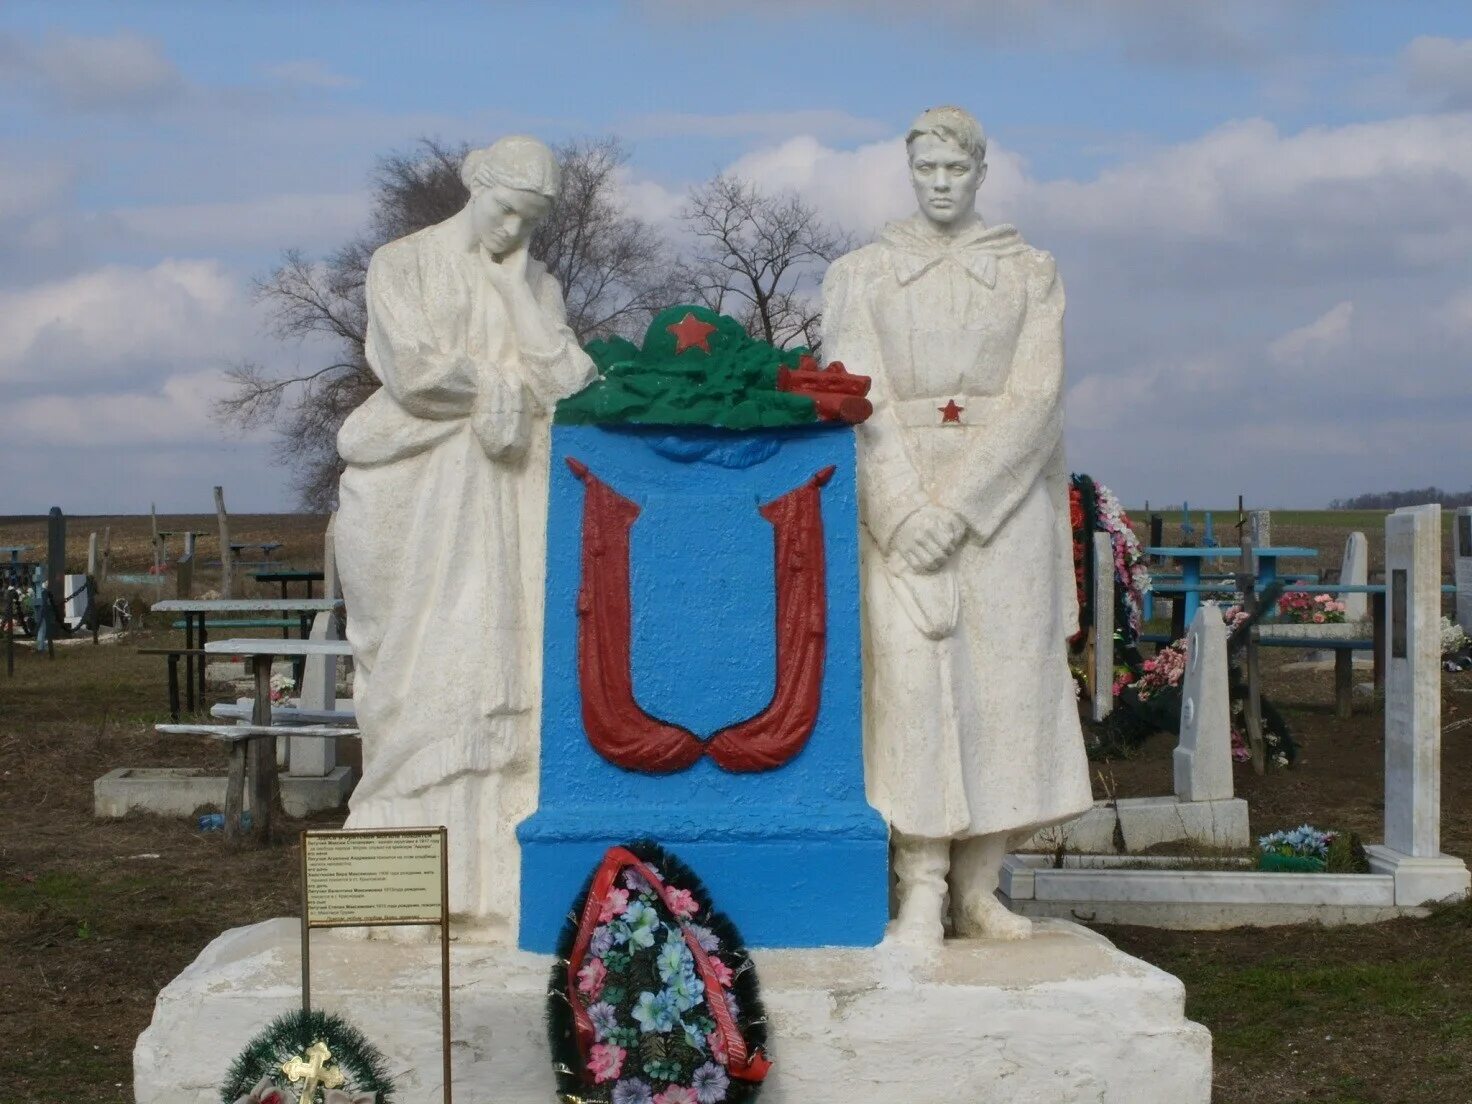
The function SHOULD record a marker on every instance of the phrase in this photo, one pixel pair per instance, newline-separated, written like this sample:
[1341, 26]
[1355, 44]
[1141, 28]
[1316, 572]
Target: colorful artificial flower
[640, 921]
[613, 905]
[602, 941]
[633, 1091]
[677, 1094]
[268, 1092]
[590, 977]
[674, 958]
[722, 972]
[655, 1011]
[606, 1061]
[686, 990]
[604, 1018]
[681, 902]
[710, 1084]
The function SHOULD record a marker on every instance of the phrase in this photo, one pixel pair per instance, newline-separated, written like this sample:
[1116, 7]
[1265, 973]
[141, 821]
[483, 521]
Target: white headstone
[1203, 758]
[1462, 546]
[1354, 570]
[74, 590]
[313, 756]
[1260, 525]
[1413, 681]
[1412, 848]
[1102, 677]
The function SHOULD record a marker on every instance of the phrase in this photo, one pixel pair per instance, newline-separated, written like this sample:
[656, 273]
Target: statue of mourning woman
[441, 528]
[971, 731]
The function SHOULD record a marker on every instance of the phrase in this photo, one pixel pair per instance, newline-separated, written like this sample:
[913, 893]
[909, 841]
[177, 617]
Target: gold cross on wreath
[312, 1068]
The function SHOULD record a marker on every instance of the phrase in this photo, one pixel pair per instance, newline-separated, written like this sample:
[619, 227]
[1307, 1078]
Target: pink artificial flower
[677, 1094]
[717, 1044]
[606, 1062]
[1318, 619]
[266, 1092]
[613, 905]
[722, 972]
[591, 977]
[681, 902]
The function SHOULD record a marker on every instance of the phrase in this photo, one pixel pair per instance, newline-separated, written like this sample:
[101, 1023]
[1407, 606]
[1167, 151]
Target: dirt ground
[96, 916]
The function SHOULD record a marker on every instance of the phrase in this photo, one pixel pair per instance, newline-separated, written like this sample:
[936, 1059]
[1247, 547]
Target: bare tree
[758, 257]
[615, 271]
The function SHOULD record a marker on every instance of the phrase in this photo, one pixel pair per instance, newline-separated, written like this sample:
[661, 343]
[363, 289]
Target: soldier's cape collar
[915, 248]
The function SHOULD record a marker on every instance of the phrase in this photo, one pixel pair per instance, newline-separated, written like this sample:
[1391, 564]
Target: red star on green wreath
[691, 333]
[950, 412]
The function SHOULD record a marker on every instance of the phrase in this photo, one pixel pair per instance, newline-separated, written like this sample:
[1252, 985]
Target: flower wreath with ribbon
[308, 1058]
[653, 999]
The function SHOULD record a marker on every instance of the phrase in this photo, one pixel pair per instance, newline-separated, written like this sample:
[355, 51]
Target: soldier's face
[945, 178]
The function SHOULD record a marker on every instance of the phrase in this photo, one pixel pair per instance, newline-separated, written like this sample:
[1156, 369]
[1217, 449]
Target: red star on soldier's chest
[950, 413]
[691, 333]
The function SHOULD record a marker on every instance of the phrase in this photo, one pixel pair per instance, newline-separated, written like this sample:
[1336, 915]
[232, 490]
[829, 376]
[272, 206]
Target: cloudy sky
[1262, 211]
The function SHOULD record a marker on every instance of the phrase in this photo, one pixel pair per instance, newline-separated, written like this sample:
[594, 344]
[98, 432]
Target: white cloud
[828, 124]
[109, 321]
[1328, 188]
[1329, 333]
[307, 73]
[1441, 69]
[93, 72]
[307, 221]
[174, 412]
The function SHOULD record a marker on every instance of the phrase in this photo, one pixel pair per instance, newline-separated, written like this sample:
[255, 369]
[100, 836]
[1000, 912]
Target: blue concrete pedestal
[795, 856]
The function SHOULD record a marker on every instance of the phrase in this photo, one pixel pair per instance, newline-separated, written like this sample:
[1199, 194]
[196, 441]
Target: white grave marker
[1412, 847]
[1354, 570]
[1203, 758]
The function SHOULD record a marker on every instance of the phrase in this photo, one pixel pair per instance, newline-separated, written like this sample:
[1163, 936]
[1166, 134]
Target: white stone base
[1147, 821]
[1421, 881]
[178, 791]
[1094, 888]
[1063, 1018]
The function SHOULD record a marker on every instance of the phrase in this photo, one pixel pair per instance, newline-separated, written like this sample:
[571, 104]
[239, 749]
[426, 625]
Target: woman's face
[945, 178]
[504, 217]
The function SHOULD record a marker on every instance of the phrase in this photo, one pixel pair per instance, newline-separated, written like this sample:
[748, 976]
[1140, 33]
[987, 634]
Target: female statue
[971, 732]
[441, 527]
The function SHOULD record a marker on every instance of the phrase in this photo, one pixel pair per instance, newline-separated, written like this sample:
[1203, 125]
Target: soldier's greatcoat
[971, 725]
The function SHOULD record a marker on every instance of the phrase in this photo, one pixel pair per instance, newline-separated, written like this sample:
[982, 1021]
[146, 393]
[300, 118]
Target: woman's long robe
[971, 725]
[441, 546]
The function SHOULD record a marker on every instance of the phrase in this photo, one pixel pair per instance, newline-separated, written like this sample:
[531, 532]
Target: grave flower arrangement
[281, 687]
[1311, 609]
[1309, 850]
[653, 999]
[1456, 646]
[1148, 700]
[1093, 507]
[308, 1058]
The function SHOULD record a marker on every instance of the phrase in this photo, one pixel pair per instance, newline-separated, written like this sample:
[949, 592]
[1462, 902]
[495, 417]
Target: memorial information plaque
[372, 878]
